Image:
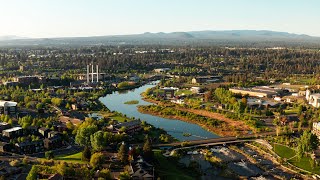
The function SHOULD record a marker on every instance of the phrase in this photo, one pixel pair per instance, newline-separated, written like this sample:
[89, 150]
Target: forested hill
[244, 38]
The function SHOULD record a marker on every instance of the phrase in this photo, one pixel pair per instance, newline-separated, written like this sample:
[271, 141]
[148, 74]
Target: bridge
[220, 140]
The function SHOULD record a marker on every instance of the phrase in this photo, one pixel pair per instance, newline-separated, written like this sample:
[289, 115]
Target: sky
[74, 18]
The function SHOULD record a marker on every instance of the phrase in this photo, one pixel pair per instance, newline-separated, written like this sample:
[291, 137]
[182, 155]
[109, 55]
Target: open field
[73, 158]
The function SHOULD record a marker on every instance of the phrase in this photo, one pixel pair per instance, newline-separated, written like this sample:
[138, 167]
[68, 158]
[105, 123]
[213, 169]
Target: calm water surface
[176, 128]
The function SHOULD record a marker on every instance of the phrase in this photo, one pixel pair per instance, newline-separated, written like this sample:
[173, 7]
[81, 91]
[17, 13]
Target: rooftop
[7, 103]
[12, 129]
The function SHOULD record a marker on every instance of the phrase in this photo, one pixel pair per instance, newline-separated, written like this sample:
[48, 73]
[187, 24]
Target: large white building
[8, 107]
[313, 99]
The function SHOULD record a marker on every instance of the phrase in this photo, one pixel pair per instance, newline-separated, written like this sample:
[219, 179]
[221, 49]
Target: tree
[61, 168]
[96, 160]
[307, 143]
[84, 134]
[97, 141]
[208, 96]
[105, 174]
[147, 149]
[49, 155]
[86, 154]
[123, 154]
[33, 173]
[124, 176]
[56, 101]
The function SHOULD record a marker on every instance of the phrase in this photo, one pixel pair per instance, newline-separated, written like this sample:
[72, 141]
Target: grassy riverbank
[213, 125]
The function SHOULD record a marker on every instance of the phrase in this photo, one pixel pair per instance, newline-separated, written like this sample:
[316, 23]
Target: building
[26, 80]
[3, 126]
[5, 147]
[130, 127]
[313, 99]
[205, 79]
[44, 131]
[196, 90]
[29, 147]
[168, 92]
[161, 70]
[259, 91]
[8, 107]
[141, 170]
[13, 132]
[53, 142]
[316, 129]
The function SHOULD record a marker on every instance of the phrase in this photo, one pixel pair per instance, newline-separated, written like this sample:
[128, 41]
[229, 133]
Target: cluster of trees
[89, 135]
[182, 59]
[307, 143]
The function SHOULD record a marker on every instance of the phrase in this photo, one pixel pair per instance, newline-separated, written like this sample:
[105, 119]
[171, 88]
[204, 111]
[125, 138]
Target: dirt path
[231, 122]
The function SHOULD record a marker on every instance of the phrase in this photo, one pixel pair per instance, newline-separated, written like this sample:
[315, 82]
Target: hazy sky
[58, 18]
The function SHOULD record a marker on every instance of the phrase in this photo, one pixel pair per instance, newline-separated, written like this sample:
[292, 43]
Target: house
[316, 129]
[3, 126]
[53, 142]
[130, 127]
[141, 170]
[13, 132]
[161, 70]
[44, 131]
[288, 118]
[53, 133]
[196, 90]
[8, 107]
[5, 147]
[313, 99]
[168, 92]
[29, 147]
[178, 101]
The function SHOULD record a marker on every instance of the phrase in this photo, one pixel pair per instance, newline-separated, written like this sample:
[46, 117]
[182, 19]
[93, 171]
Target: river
[176, 128]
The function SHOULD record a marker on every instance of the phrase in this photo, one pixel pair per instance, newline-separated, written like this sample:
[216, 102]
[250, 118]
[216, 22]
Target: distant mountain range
[228, 37]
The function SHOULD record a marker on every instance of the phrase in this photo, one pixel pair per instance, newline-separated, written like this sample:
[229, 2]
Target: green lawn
[283, 151]
[288, 153]
[118, 118]
[168, 170]
[183, 91]
[291, 111]
[304, 163]
[71, 158]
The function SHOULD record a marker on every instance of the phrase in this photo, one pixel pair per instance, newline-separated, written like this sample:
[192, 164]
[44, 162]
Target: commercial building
[259, 91]
[313, 99]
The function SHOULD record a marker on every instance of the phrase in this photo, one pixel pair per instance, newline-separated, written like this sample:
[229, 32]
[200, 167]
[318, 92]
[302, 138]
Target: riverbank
[230, 127]
[220, 128]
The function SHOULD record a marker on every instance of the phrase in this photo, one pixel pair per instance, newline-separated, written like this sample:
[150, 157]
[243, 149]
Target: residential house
[130, 127]
[53, 142]
[8, 107]
[3, 126]
[13, 132]
[141, 170]
[44, 131]
[29, 147]
[5, 147]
